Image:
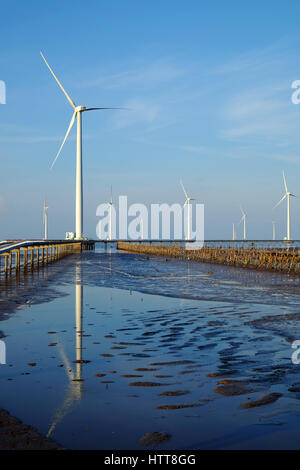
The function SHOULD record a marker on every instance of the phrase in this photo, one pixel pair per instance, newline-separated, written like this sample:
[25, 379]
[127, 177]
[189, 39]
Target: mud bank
[15, 435]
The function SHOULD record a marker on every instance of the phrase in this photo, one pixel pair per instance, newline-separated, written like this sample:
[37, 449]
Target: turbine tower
[78, 110]
[286, 195]
[244, 215]
[45, 220]
[274, 230]
[188, 203]
[110, 214]
[233, 232]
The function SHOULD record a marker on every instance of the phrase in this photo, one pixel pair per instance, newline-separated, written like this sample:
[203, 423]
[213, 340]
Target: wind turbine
[110, 214]
[188, 202]
[78, 110]
[274, 230]
[45, 219]
[233, 232]
[286, 195]
[244, 215]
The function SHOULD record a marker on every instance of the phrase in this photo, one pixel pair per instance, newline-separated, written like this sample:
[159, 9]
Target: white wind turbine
[110, 214]
[286, 195]
[45, 219]
[243, 219]
[78, 110]
[233, 232]
[274, 230]
[188, 203]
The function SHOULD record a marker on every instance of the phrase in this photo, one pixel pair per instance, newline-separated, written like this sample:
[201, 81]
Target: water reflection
[75, 385]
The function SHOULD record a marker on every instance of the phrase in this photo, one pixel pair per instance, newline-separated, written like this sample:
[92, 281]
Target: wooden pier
[18, 255]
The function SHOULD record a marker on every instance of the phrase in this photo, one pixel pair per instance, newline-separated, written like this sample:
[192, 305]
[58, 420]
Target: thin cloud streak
[151, 75]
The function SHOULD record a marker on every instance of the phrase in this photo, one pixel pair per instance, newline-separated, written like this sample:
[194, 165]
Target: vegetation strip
[266, 259]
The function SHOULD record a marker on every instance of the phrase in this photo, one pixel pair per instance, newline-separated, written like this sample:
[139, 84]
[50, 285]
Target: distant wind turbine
[110, 214]
[45, 220]
[243, 219]
[233, 232]
[188, 203]
[286, 195]
[78, 110]
[274, 230]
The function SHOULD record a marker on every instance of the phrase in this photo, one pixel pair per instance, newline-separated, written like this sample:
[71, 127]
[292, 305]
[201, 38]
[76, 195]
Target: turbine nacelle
[79, 109]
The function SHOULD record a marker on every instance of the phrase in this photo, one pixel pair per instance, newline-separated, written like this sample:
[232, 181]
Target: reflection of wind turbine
[45, 220]
[74, 391]
[286, 195]
[188, 203]
[244, 219]
[78, 110]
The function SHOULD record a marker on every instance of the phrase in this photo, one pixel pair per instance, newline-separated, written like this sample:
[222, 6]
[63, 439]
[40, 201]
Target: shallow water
[157, 337]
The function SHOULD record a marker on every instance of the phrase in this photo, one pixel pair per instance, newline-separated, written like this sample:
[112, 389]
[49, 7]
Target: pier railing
[18, 255]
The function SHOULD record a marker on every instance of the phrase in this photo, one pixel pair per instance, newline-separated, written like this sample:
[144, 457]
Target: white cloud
[261, 112]
[151, 75]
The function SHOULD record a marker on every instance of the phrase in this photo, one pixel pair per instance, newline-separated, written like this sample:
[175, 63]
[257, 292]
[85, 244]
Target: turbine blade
[242, 211]
[284, 180]
[59, 84]
[65, 138]
[92, 109]
[184, 190]
[280, 201]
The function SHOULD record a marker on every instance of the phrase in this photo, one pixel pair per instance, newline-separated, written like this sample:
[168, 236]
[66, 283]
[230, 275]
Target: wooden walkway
[17, 255]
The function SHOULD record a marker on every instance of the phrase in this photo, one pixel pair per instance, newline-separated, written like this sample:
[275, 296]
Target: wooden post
[32, 257]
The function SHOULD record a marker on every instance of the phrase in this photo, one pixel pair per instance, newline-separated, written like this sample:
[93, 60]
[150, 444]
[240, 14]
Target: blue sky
[208, 85]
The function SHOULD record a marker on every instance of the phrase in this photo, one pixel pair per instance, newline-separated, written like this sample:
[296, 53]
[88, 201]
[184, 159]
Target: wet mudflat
[111, 350]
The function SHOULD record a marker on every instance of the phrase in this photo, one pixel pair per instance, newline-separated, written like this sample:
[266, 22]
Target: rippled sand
[202, 356]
